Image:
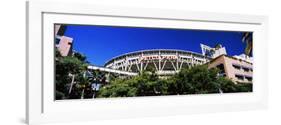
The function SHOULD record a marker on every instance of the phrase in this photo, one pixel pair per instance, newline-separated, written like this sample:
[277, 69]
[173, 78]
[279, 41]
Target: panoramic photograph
[96, 61]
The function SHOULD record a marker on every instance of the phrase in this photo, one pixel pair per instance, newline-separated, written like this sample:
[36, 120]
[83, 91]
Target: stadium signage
[158, 57]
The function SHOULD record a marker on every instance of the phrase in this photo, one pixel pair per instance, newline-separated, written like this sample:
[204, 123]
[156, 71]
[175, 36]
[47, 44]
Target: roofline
[212, 60]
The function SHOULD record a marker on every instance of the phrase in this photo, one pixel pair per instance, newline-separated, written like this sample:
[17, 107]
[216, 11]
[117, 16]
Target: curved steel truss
[162, 61]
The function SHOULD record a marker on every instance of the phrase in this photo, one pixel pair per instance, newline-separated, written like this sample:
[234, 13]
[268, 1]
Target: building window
[249, 78]
[57, 40]
[221, 70]
[236, 66]
[239, 77]
[246, 69]
[251, 69]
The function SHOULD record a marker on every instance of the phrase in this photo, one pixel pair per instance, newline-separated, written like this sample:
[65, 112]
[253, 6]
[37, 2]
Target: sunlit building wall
[238, 70]
[63, 43]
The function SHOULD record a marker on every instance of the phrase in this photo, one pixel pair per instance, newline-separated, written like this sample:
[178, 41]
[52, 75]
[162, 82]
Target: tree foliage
[195, 80]
[66, 68]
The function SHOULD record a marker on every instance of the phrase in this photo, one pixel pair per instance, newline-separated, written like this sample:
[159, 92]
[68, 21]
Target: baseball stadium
[163, 61]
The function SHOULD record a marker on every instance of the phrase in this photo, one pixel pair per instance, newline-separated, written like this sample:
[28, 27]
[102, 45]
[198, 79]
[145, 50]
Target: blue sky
[101, 43]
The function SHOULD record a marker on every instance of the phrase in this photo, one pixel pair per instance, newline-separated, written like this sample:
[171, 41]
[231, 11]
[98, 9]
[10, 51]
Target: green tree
[145, 84]
[119, 88]
[68, 72]
[195, 80]
[97, 78]
[226, 85]
[244, 87]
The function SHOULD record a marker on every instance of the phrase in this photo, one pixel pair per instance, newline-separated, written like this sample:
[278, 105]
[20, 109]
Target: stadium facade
[163, 61]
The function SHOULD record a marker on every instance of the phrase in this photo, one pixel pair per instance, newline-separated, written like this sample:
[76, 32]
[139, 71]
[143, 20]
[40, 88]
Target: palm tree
[247, 37]
[98, 78]
[84, 83]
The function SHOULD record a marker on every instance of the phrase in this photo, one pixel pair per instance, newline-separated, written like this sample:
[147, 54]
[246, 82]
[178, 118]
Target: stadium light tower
[213, 52]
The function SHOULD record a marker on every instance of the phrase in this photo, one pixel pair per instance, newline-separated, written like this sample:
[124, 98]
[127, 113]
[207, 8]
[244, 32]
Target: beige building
[63, 43]
[238, 70]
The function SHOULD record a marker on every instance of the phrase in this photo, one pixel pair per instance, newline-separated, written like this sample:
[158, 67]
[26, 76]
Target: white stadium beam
[112, 70]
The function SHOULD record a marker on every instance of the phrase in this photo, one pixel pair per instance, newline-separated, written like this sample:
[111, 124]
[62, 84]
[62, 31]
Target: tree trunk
[71, 84]
[221, 92]
[82, 95]
[94, 94]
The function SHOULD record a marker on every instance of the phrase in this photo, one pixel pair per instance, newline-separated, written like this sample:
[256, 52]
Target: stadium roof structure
[164, 61]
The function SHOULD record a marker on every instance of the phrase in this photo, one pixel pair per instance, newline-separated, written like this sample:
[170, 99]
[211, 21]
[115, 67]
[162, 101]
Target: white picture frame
[41, 107]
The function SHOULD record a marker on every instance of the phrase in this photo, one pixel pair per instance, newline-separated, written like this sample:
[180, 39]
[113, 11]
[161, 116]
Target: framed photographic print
[89, 62]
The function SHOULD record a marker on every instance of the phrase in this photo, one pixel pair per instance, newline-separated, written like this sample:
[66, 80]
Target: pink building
[63, 43]
[238, 70]
[65, 46]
